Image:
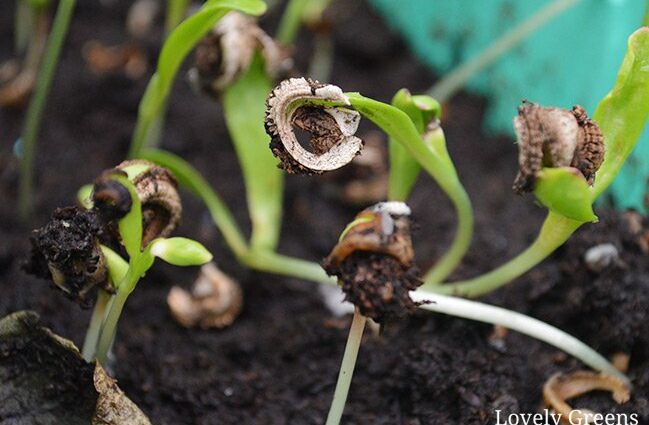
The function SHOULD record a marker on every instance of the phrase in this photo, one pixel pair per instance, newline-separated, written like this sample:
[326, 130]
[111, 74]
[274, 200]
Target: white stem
[346, 369]
[535, 328]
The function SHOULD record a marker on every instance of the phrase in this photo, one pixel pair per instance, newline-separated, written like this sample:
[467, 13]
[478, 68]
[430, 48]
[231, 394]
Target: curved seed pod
[555, 137]
[227, 52]
[560, 388]
[589, 155]
[214, 302]
[66, 250]
[298, 102]
[156, 189]
[374, 261]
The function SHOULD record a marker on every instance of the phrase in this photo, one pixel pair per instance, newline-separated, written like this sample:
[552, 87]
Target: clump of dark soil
[66, 251]
[278, 363]
[378, 284]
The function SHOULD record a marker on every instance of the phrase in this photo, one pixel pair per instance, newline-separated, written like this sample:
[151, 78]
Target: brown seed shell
[228, 50]
[161, 206]
[214, 302]
[555, 137]
[294, 102]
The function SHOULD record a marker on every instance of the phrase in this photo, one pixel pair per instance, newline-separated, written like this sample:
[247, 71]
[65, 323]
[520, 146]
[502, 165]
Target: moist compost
[277, 364]
[378, 284]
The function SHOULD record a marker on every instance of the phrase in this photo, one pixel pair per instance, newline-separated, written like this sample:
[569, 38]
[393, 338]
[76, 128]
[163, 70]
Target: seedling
[621, 116]
[34, 113]
[141, 201]
[373, 261]
[177, 46]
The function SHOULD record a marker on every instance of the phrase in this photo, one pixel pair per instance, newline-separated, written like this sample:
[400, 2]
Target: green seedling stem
[117, 269]
[37, 104]
[261, 260]
[176, 10]
[176, 251]
[244, 110]
[433, 157]
[346, 369]
[518, 322]
[291, 20]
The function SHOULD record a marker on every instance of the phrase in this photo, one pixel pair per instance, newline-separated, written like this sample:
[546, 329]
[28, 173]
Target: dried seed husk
[228, 50]
[590, 151]
[157, 191]
[562, 387]
[555, 137]
[298, 102]
[67, 251]
[374, 262]
[215, 300]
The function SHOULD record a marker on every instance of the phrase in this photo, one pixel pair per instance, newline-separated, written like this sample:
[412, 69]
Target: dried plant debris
[324, 112]
[214, 302]
[46, 381]
[113, 406]
[128, 59]
[157, 191]
[374, 262]
[18, 77]
[562, 387]
[228, 50]
[66, 250]
[555, 137]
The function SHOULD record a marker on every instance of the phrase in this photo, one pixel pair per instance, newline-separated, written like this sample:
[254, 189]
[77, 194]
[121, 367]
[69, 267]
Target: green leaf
[117, 267]
[180, 251]
[404, 169]
[244, 105]
[130, 226]
[565, 192]
[398, 125]
[178, 45]
[84, 196]
[622, 114]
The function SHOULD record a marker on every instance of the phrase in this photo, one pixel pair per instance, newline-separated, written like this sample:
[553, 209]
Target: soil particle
[66, 251]
[378, 284]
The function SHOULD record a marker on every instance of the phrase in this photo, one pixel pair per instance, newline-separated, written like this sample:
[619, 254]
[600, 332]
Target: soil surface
[278, 363]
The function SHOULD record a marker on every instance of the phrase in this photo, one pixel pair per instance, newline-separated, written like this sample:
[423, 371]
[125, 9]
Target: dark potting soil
[279, 361]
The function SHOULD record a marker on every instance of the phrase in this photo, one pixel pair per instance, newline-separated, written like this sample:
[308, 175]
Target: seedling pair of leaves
[125, 276]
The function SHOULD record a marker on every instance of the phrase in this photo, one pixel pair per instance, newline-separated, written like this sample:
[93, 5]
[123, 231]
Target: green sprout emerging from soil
[37, 104]
[135, 204]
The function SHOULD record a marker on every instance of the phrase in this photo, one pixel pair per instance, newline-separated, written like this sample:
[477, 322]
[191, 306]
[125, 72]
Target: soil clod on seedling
[374, 262]
[66, 250]
[555, 137]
